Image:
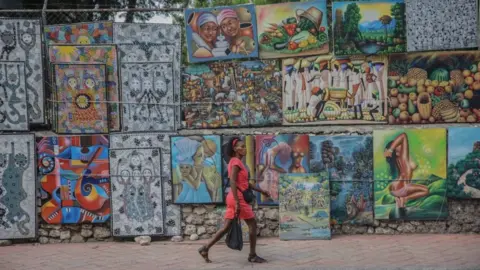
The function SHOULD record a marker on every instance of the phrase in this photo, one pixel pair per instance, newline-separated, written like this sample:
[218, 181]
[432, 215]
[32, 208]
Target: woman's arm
[401, 140]
[233, 187]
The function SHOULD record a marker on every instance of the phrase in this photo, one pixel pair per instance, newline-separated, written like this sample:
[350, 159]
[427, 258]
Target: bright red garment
[246, 211]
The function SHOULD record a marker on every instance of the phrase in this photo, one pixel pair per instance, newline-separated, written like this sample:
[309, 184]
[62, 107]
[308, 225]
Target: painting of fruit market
[276, 155]
[304, 207]
[410, 172]
[463, 180]
[292, 29]
[369, 27]
[429, 88]
[348, 90]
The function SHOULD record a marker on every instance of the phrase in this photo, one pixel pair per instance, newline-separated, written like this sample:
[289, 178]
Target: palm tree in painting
[386, 20]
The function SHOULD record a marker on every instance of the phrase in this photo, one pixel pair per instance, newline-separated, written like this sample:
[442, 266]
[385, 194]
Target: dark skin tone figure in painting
[237, 149]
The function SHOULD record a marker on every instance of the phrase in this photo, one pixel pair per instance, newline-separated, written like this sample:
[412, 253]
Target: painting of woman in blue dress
[196, 174]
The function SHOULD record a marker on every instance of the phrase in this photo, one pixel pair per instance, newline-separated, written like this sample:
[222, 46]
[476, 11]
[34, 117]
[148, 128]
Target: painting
[343, 157]
[196, 169]
[147, 34]
[20, 40]
[18, 217]
[351, 202]
[432, 88]
[147, 88]
[220, 210]
[172, 213]
[304, 207]
[13, 101]
[259, 92]
[94, 54]
[137, 197]
[429, 30]
[342, 90]
[74, 176]
[81, 95]
[221, 33]
[410, 168]
[369, 27]
[276, 155]
[248, 160]
[463, 180]
[292, 29]
[79, 33]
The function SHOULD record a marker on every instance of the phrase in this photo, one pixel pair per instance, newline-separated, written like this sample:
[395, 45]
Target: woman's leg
[204, 250]
[252, 229]
[416, 191]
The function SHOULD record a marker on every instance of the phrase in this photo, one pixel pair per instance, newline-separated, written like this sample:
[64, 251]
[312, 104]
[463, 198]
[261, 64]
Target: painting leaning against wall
[196, 169]
[463, 180]
[276, 155]
[432, 88]
[79, 33]
[410, 171]
[304, 207]
[342, 90]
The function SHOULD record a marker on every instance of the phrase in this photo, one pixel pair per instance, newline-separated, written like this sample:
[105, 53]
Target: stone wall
[75, 233]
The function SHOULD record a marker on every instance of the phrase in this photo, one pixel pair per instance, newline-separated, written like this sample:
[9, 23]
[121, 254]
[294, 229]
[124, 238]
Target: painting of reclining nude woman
[196, 169]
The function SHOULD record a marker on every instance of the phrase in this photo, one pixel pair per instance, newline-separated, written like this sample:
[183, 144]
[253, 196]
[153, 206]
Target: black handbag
[248, 195]
[234, 237]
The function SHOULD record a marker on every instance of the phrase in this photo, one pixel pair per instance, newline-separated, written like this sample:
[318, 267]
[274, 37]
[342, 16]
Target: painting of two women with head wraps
[196, 169]
[221, 33]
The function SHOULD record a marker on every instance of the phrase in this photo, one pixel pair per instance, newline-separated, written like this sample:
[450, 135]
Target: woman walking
[236, 204]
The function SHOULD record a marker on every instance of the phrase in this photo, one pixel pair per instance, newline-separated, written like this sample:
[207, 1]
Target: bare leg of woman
[252, 229]
[416, 191]
[204, 249]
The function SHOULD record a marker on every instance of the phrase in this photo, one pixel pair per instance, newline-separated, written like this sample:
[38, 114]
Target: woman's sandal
[203, 251]
[253, 258]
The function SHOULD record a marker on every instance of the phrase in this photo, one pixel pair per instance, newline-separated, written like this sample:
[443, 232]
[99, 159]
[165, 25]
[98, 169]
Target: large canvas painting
[74, 175]
[369, 27]
[147, 88]
[304, 207]
[248, 160]
[81, 94]
[79, 33]
[276, 155]
[432, 88]
[292, 29]
[172, 213]
[13, 101]
[18, 217]
[21, 41]
[197, 169]
[221, 33]
[463, 180]
[94, 54]
[137, 197]
[410, 171]
[428, 28]
[325, 89]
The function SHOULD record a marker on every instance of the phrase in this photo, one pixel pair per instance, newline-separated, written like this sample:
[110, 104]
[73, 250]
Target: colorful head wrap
[206, 17]
[226, 13]
[186, 149]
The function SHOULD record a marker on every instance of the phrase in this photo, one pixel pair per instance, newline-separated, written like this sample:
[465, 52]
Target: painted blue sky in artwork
[460, 142]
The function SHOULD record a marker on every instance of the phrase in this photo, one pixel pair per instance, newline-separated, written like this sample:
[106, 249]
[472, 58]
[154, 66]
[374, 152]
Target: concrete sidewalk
[343, 252]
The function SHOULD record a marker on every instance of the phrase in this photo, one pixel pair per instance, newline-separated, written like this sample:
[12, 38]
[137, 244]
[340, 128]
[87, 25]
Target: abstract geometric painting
[172, 213]
[74, 175]
[463, 180]
[292, 29]
[346, 90]
[248, 160]
[429, 30]
[81, 92]
[21, 41]
[18, 216]
[137, 198]
[221, 33]
[144, 87]
[197, 169]
[276, 155]
[13, 100]
[369, 27]
[79, 33]
[94, 54]
[410, 171]
[304, 207]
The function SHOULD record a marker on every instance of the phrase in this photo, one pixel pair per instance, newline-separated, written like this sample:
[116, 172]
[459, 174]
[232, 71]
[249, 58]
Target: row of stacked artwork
[301, 28]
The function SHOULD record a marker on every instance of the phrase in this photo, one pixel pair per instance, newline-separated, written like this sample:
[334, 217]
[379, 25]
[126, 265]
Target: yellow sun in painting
[67, 52]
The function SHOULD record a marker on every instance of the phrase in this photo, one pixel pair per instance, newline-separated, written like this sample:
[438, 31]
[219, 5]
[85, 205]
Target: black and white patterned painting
[147, 33]
[441, 24]
[147, 89]
[137, 197]
[172, 213]
[17, 186]
[13, 97]
[20, 40]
